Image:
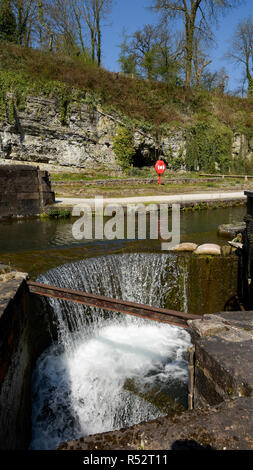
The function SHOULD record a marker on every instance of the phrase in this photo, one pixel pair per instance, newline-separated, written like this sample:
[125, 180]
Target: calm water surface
[37, 245]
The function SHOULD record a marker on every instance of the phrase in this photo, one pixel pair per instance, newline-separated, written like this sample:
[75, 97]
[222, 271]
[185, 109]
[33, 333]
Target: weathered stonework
[24, 190]
[223, 357]
[228, 426]
[212, 281]
[231, 230]
[23, 336]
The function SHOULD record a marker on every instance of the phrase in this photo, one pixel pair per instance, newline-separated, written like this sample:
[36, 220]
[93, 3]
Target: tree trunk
[79, 30]
[190, 30]
[250, 81]
[92, 46]
[98, 38]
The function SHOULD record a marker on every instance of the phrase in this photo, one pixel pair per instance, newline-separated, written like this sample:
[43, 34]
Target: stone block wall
[23, 337]
[24, 190]
[223, 357]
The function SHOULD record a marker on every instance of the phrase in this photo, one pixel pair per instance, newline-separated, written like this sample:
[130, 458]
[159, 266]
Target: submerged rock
[208, 249]
[161, 400]
[226, 250]
[231, 230]
[185, 247]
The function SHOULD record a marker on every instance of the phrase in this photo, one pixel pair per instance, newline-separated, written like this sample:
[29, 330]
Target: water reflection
[36, 234]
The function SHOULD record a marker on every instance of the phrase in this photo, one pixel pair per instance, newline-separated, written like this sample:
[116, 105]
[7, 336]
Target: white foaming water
[81, 384]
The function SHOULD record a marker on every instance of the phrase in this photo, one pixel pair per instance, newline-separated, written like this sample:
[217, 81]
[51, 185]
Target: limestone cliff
[36, 135]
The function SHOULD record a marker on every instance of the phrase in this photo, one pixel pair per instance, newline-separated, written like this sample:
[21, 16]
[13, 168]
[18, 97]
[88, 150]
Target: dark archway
[146, 157]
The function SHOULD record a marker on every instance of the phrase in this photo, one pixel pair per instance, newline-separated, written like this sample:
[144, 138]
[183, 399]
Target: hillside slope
[57, 109]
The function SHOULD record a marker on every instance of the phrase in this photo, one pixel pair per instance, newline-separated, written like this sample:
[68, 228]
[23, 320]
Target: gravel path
[171, 199]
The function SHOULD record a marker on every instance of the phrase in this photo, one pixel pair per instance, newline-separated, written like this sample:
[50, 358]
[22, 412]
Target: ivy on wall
[208, 147]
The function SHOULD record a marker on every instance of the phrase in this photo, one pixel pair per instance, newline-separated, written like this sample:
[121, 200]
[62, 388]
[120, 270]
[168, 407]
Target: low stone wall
[228, 426]
[223, 357]
[23, 337]
[24, 190]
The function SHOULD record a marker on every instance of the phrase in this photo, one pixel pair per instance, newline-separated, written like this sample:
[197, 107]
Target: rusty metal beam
[115, 305]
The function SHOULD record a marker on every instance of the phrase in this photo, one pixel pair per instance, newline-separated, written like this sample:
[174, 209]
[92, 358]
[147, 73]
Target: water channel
[108, 371]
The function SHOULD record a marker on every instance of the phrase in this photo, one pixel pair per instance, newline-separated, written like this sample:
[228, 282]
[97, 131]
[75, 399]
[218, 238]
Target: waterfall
[107, 370]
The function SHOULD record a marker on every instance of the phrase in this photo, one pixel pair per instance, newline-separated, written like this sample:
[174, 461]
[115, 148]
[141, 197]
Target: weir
[98, 371]
[110, 370]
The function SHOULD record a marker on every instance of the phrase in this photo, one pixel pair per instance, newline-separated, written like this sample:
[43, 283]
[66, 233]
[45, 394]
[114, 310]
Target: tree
[92, 13]
[26, 19]
[221, 81]
[241, 50]
[216, 81]
[144, 47]
[8, 24]
[169, 56]
[45, 31]
[150, 53]
[58, 27]
[63, 26]
[197, 16]
[200, 60]
[127, 60]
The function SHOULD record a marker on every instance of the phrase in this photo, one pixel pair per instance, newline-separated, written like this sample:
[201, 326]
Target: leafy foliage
[123, 146]
[7, 22]
[208, 148]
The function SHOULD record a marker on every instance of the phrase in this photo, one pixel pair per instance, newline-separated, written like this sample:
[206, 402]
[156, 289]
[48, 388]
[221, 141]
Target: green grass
[78, 177]
[146, 104]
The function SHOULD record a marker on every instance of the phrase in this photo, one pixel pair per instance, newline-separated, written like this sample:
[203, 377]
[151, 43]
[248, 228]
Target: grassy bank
[71, 186]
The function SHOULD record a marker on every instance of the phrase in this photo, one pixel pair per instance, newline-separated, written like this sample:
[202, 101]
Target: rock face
[38, 136]
[87, 140]
[241, 146]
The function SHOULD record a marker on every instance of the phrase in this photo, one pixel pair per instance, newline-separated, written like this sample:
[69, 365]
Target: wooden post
[191, 368]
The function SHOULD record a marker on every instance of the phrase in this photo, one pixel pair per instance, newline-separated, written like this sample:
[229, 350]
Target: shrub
[123, 146]
[59, 213]
[208, 147]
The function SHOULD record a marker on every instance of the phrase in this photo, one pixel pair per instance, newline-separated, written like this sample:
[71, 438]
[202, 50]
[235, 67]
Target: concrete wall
[24, 190]
[23, 337]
